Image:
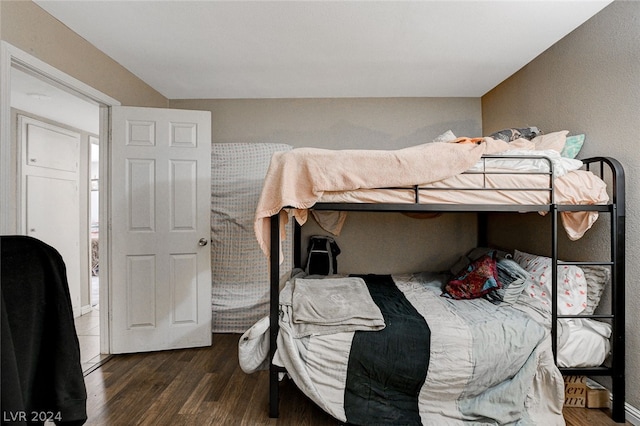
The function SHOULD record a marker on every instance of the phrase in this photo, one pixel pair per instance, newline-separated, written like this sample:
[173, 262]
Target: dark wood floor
[206, 386]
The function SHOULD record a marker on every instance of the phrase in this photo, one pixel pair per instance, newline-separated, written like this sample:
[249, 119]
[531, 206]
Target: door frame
[11, 56]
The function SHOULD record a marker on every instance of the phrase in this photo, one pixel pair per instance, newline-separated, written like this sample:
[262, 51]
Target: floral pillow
[477, 280]
[572, 285]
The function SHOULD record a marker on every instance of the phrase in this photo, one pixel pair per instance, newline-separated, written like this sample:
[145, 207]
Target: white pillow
[253, 347]
[572, 285]
[447, 136]
[554, 141]
[561, 165]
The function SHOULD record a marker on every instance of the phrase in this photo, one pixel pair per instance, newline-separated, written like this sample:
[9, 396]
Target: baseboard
[86, 309]
[632, 414]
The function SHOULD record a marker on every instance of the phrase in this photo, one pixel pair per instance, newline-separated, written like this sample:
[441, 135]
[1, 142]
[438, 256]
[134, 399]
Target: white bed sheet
[583, 342]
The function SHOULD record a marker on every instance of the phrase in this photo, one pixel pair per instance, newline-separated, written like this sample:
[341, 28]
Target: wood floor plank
[258, 404]
[233, 402]
[173, 398]
[199, 395]
[205, 386]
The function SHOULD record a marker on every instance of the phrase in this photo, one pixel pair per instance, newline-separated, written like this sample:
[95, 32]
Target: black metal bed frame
[605, 166]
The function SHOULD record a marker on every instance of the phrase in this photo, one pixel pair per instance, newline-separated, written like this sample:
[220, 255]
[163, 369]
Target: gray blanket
[332, 305]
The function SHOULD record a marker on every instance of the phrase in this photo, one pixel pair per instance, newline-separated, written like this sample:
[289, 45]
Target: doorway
[58, 203]
[12, 62]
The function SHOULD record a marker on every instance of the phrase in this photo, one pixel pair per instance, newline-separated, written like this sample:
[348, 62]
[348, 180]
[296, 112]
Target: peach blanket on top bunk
[299, 177]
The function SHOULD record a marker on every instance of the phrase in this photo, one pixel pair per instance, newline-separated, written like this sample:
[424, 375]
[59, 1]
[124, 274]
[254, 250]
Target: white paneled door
[160, 229]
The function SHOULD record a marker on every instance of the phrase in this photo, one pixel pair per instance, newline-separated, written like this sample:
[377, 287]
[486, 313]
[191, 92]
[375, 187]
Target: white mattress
[240, 275]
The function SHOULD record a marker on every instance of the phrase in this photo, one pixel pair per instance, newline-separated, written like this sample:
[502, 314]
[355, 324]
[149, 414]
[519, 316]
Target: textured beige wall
[28, 27]
[370, 243]
[376, 123]
[589, 82]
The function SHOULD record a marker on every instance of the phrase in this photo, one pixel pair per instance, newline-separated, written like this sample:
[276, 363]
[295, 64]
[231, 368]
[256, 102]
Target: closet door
[50, 199]
[160, 208]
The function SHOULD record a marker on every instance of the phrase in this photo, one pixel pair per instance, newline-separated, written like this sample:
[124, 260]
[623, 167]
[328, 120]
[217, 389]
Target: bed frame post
[554, 281]
[618, 302]
[274, 280]
[297, 245]
[618, 290]
[618, 278]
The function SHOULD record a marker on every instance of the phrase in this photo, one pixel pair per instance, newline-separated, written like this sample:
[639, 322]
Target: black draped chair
[42, 375]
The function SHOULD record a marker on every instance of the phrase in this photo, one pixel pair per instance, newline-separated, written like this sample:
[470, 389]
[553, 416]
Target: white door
[160, 227]
[50, 205]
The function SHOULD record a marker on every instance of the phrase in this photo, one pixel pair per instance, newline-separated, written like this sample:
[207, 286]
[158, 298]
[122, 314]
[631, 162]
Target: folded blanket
[298, 178]
[332, 305]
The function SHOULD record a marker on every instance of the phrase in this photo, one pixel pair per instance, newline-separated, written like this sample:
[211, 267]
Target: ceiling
[319, 49]
[36, 96]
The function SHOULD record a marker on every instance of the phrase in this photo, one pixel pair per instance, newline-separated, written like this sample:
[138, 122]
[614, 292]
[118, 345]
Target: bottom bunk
[434, 347]
[389, 350]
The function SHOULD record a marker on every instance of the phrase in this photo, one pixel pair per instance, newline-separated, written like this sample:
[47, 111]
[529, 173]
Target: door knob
[203, 242]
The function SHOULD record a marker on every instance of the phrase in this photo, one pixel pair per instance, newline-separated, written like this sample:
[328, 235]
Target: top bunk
[463, 175]
[491, 188]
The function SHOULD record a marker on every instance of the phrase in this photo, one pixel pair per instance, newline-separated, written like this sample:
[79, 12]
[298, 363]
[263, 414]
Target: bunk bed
[479, 174]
